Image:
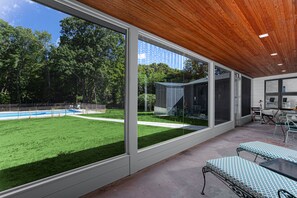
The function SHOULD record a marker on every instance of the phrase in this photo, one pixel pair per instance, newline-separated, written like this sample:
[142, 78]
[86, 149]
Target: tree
[148, 75]
[90, 62]
[194, 70]
[22, 57]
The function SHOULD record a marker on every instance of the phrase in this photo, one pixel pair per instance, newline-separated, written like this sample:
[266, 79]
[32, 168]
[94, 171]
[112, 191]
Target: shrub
[151, 100]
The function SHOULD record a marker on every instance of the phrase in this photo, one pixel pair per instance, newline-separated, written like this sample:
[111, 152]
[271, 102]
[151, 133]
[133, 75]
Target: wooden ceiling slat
[224, 30]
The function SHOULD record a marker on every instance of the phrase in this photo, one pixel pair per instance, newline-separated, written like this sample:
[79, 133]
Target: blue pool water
[39, 113]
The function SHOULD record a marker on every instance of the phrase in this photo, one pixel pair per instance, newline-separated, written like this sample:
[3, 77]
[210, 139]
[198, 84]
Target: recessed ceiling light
[273, 54]
[284, 70]
[263, 35]
[280, 64]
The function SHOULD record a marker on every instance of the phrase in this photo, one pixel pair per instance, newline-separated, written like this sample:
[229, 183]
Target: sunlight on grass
[32, 149]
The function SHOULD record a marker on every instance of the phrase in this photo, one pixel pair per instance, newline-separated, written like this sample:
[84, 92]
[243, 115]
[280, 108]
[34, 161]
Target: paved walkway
[157, 124]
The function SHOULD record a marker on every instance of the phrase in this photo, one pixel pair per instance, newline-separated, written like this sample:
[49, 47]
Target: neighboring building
[172, 98]
[169, 98]
[196, 96]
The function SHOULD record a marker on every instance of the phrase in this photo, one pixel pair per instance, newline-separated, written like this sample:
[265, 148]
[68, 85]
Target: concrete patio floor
[181, 176]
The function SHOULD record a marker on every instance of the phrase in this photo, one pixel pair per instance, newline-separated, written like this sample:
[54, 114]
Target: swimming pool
[37, 113]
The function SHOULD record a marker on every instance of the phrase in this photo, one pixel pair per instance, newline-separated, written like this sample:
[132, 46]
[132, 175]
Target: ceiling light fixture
[284, 70]
[280, 64]
[263, 35]
[273, 54]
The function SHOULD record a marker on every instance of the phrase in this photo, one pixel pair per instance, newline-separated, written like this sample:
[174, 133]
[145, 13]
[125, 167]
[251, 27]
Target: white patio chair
[291, 124]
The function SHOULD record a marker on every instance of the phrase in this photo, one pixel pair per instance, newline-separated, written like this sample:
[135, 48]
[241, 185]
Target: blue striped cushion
[270, 150]
[258, 181]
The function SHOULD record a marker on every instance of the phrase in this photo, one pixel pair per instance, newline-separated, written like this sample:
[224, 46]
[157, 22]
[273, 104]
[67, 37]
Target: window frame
[279, 94]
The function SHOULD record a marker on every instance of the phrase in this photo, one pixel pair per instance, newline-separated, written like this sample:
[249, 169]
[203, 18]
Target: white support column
[131, 115]
[239, 96]
[232, 97]
[211, 95]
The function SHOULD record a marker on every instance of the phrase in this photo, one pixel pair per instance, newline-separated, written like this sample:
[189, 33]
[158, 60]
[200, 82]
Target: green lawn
[150, 117]
[31, 149]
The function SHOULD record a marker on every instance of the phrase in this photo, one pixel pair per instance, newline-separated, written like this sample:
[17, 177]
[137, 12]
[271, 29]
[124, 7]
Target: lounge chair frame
[239, 149]
[247, 179]
[236, 189]
[284, 193]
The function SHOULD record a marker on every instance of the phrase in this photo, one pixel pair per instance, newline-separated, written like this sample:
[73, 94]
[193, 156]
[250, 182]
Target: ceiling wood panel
[226, 31]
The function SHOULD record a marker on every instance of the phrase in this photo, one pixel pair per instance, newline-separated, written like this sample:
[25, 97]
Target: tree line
[87, 65]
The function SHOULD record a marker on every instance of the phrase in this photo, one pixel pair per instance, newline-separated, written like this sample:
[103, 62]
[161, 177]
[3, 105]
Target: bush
[4, 98]
[151, 100]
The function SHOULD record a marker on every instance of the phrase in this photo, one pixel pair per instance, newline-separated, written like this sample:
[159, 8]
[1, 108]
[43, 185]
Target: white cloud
[29, 1]
[16, 5]
[141, 56]
[10, 9]
[7, 8]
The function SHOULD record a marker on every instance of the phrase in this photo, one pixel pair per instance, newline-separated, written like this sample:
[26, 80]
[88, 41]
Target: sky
[32, 15]
[29, 14]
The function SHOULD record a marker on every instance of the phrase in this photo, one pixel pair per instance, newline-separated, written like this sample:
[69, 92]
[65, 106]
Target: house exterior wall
[160, 96]
[174, 99]
[258, 86]
[196, 97]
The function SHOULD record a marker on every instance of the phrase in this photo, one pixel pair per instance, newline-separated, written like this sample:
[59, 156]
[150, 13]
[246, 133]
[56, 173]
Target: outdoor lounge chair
[248, 179]
[291, 124]
[268, 151]
[280, 121]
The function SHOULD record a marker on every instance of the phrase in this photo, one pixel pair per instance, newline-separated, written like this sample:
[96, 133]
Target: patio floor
[181, 176]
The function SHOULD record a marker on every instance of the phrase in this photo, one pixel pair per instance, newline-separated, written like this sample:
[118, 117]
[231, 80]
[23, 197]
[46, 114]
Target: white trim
[246, 76]
[87, 10]
[133, 98]
[232, 97]
[211, 95]
[240, 97]
[223, 66]
[44, 187]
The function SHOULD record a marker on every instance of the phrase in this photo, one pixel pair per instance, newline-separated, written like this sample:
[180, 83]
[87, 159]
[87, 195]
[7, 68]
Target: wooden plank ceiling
[223, 30]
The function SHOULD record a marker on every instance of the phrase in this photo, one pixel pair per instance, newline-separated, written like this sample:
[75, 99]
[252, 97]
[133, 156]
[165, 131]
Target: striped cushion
[270, 150]
[258, 181]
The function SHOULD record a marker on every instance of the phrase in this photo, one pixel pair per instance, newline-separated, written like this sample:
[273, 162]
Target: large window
[245, 96]
[172, 93]
[222, 95]
[62, 91]
[281, 93]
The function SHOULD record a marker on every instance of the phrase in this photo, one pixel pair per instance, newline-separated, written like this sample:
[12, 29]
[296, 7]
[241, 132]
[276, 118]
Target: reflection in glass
[289, 85]
[222, 95]
[271, 101]
[246, 96]
[272, 86]
[172, 93]
[289, 102]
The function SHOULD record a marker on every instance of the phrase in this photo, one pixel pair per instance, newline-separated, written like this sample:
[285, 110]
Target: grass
[32, 149]
[150, 117]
